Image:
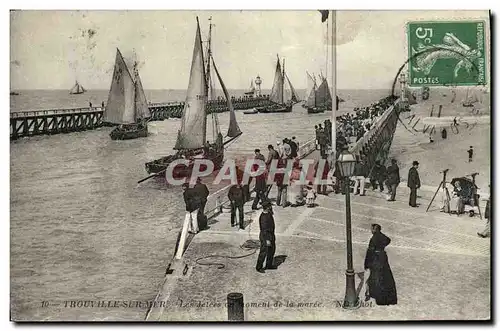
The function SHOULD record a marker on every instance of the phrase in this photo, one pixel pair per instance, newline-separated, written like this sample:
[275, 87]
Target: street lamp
[346, 163]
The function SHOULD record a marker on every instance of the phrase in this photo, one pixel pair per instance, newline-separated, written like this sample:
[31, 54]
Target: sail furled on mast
[120, 108]
[141, 103]
[276, 95]
[233, 129]
[193, 132]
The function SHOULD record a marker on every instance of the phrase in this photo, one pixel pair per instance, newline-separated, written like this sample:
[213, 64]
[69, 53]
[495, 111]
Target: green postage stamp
[446, 53]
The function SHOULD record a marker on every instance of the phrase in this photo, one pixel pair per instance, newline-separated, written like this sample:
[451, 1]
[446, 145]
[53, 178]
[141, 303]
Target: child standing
[311, 196]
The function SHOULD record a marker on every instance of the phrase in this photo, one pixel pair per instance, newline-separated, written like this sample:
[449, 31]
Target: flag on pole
[324, 15]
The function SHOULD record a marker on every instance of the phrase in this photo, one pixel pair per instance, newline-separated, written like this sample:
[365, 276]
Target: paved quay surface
[441, 267]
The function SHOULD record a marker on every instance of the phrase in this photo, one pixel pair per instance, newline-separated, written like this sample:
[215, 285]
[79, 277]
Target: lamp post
[346, 163]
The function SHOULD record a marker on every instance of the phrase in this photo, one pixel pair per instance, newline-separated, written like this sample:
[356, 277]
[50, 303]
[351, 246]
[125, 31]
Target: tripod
[445, 189]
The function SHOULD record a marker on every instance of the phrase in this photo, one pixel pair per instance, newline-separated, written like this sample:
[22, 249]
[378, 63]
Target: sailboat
[410, 97]
[251, 92]
[77, 89]
[277, 93]
[322, 99]
[469, 99]
[191, 141]
[127, 105]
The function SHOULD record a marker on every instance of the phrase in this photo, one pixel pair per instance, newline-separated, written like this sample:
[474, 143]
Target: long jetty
[375, 144]
[56, 121]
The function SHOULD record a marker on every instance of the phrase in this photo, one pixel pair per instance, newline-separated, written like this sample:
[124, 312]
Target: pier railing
[54, 121]
[376, 143]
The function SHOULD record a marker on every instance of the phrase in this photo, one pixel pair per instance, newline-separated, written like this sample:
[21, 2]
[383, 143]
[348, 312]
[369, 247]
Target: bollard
[235, 307]
[440, 108]
[432, 110]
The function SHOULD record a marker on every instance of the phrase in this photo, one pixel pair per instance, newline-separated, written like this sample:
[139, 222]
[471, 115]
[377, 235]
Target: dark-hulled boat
[191, 139]
[277, 95]
[77, 89]
[127, 106]
[320, 99]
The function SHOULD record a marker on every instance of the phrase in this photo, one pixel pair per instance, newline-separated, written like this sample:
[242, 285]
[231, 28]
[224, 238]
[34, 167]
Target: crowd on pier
[350, 125]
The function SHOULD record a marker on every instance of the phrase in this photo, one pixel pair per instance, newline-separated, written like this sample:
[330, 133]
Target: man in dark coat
[273, 154]
[192, 206]
[470, 151]
[378, 176]
[294, 148]
[360, 174]
[260, 182]
[321, 189]
[236, 198]
[393, 179]
[380, 283]
[413, 183]
[201, 192]
[267, 239]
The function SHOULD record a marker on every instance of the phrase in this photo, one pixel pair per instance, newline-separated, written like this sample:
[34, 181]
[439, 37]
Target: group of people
[238, 194]
[350, 125]
[381, 177]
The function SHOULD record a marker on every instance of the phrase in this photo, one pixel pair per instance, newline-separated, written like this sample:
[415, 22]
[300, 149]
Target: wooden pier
[55, 121]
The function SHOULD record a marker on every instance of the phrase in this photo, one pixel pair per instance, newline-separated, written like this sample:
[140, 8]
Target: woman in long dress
[381, 285]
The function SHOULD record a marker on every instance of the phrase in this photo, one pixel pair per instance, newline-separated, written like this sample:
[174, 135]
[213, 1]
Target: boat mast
[283, 87]
[215, 119]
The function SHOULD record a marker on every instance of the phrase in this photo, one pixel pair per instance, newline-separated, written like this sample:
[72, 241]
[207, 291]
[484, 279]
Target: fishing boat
[278, 93]
[127, 106]
[322, 99]
[251, 92]
[77, 89]
[251, 111]
[412, 100]
[191, 141]
[470, 99]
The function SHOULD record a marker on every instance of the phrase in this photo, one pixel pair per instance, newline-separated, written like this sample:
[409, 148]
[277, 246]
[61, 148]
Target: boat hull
[316, 110]
[278, 109]
[159, 166]
[251, 112]
[129, 133]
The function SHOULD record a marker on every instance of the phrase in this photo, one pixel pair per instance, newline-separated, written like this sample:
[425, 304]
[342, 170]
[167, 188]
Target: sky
[51, 49]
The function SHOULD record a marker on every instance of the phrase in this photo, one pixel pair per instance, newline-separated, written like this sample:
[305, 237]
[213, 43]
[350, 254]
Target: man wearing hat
[267, 238]
[413, 183]
[393, 179]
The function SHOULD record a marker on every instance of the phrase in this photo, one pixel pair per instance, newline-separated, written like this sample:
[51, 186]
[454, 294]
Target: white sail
[311, 84]
[233, 129]
[141, 103]
[311, 92]
[120, 108]
[192, 134]
[276, 95]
